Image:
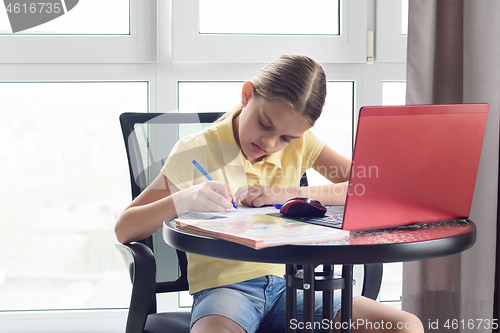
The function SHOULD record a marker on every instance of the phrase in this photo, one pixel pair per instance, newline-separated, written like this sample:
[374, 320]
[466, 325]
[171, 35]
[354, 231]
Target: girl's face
[265, 127]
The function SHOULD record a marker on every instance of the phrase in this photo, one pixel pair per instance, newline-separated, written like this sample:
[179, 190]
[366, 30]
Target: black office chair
[154, 266]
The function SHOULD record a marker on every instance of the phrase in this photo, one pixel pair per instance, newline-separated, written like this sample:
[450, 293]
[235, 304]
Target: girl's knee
[410, 323]
[374, 316]
[216, 324]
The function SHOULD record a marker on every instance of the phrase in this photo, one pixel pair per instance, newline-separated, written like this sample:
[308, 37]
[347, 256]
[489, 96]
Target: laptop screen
[414, 164]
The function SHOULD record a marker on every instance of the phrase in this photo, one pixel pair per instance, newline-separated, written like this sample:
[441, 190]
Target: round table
[407, 243]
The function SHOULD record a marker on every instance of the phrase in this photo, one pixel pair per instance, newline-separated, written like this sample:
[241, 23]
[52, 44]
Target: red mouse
[303, 207]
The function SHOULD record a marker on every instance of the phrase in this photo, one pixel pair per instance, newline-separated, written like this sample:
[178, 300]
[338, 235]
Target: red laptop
[414, 164]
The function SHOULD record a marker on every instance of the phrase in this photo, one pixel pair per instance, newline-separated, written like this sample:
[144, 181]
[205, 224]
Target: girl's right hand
[209, 196]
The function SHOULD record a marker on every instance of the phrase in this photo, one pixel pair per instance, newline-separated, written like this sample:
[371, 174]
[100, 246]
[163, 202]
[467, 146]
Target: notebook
[256, 227]
[412, 164]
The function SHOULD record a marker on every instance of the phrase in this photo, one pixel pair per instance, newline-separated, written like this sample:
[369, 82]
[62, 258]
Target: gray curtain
[454, 57]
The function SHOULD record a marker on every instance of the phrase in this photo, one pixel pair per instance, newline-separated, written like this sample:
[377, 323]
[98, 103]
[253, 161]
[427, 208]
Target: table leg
[309, 304]
[346, 311]
[291, 298]
[328, 300]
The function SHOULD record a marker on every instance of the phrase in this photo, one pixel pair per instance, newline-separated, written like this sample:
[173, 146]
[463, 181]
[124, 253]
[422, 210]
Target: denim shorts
[257, 305]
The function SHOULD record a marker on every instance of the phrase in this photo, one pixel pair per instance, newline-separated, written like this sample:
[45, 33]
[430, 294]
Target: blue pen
[208, 177]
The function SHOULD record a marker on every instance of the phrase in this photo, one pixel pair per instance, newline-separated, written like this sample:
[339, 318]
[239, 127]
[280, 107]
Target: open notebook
[256, 227]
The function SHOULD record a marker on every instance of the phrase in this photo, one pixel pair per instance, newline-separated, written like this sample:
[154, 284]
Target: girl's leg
[216, 324]
[237, 307]
[372, 316]
[275, 320]
[225, 309]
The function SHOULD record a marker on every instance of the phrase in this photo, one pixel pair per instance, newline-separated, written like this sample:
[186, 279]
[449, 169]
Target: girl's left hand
[261, 195]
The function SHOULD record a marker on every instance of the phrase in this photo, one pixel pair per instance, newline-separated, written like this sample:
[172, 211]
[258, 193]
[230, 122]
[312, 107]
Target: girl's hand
[260, 195]
[210, 196]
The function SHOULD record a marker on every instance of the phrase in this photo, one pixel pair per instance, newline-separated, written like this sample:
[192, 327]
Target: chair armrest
[142, 268]
[372, 280]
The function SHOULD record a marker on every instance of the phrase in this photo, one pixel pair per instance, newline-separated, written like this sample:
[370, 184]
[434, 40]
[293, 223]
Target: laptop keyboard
[333, 221]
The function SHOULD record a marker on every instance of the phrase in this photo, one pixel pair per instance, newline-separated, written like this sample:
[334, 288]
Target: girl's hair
[296, 80]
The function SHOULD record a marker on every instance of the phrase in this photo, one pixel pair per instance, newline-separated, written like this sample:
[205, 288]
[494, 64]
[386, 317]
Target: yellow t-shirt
[215, 149]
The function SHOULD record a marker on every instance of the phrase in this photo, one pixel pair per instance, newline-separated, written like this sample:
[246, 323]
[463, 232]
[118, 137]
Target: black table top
[414, 242]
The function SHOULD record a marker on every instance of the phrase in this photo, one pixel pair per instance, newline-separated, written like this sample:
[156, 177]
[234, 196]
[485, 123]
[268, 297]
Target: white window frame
[140, 46]
[189, 45]
[390, 44]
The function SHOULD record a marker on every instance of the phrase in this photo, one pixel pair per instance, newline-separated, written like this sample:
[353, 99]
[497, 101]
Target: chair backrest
[149, 138]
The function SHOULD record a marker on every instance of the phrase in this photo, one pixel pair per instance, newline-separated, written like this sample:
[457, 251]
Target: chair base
[168, 322]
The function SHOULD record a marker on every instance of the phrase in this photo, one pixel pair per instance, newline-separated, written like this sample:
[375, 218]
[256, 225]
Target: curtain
[454, 57]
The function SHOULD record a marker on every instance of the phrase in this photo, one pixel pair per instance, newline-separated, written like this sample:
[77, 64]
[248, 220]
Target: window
[347, 43]
[209, 96]
[335, 124]
[391, 31]
[391, 290]
[110, 17]
[394, 93]
[67, 181]
[115, 31]
[404, 17]
[275, 17]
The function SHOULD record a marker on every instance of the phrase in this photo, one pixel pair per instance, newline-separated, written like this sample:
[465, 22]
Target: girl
[260, 150]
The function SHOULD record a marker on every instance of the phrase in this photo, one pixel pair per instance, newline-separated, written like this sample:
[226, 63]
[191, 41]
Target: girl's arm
[329, 164]
[161, 200]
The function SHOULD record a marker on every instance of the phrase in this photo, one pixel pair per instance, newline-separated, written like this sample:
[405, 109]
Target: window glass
[335, 126]
[248, 32]
[394, 93]
[404, 18]
[391, 290]
[65, 180]
[264, 17]
[67, 17]
[200, 96]
[209, 96]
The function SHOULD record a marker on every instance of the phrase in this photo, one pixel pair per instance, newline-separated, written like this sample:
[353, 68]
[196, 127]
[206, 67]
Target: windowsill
[64, 321]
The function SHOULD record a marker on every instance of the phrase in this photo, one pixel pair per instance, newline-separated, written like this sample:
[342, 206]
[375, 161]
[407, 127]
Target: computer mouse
[303, 207]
